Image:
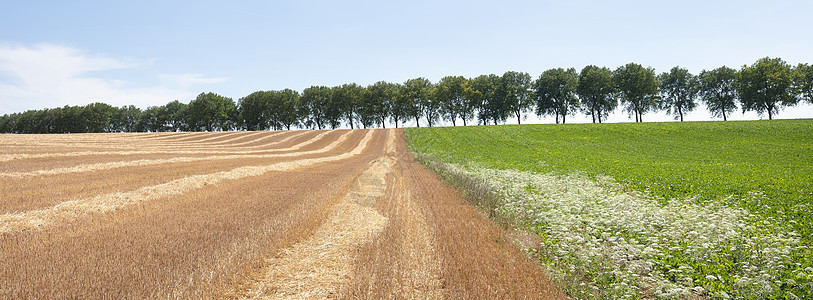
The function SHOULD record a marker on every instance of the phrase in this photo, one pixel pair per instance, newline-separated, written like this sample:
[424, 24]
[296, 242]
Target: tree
[285, 103]
[766, 86]
[678, 91]
[430, 106]
[176, 116]
[415, 93]
[515, 91]
[253, 110]
[377, 103]
[314, 102]
[70, 119]
[347, 98]
[333, 108]
[98, 117]
[210, 111]
[125, 118]
[450, 94]
[637, 87]
[596, 90]
[400, 104]
[555, 93]
[150, 120]
[718, 89]
[484, 92]
[6, 124]
[804, 81]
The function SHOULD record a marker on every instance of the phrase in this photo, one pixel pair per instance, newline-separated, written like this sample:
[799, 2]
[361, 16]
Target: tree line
[765, 87]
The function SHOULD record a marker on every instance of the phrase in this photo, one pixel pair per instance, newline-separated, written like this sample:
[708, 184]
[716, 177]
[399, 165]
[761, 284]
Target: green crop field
[717, 209]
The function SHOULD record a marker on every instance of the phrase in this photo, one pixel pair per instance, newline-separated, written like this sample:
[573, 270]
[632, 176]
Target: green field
[756, 176]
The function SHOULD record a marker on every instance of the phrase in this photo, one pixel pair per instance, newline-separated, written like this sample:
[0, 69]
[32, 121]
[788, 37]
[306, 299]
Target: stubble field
[320, 214]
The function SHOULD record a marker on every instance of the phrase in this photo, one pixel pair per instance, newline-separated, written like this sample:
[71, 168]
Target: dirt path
[337, 215]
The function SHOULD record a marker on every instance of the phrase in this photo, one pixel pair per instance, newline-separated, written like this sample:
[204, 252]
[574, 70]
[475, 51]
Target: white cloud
[48, 75]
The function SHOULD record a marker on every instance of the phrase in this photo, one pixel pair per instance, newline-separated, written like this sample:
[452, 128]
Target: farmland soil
[315, 214]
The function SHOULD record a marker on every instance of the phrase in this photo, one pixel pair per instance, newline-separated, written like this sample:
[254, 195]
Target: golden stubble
[37, 219]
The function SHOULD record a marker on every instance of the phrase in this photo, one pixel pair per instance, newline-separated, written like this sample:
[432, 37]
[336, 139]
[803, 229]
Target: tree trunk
[519, 115]
[680, 111]
[723, 115]
[599, 117]
[453, 122]
[593, 114]
[383, 119]
[417, 121]
[563, 118]
[770, 115]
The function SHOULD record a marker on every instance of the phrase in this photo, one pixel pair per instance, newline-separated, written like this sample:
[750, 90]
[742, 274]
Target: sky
[145, 53]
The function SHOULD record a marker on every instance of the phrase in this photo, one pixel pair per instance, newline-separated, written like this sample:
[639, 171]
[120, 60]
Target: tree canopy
[515, 89]
[678, 91]
[450, 92]
[804, 81]
[638, 88]
[595, 89]
[555, 93]
[719, 90]
[766, 86]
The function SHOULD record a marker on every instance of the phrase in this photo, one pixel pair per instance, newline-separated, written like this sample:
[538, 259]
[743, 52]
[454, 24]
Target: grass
[754, 173]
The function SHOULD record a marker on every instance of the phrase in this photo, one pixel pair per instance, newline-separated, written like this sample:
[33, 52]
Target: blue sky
[56, 53]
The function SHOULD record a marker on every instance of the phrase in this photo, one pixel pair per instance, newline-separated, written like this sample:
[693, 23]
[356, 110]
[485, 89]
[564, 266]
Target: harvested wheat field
[279, 215]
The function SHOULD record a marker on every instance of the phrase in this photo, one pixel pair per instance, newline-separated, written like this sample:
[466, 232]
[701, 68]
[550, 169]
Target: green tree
[804, 81]
[315, 100]
[287, 103]
[70, 120]
[347, 98]
[484, 92]
[6, 124]
[638, 88]
[766, 86]
[150, 120]
[416, 93]
[210, 111]
[596, 90]
[515, 91]
[400, 108]
[450, 94]
[430, 106]
[334, 109]
[555, 93]
[253, 110]
[365, 112]
[718, 89]
[378, 103]
[98, 117]
[678, 91]
[126, 118]
[176, 116]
